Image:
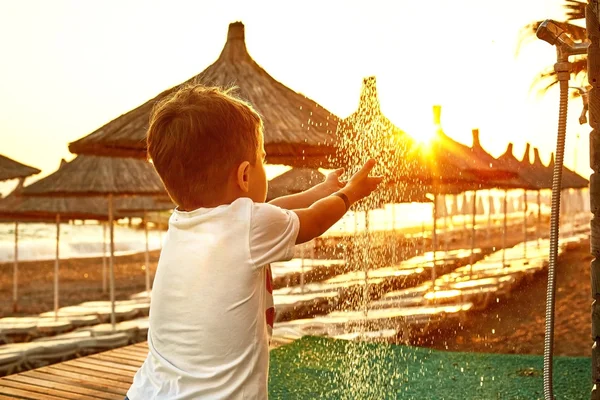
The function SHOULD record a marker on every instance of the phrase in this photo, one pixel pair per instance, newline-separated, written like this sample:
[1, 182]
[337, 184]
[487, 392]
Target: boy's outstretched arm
[321, 215]
[307, 198]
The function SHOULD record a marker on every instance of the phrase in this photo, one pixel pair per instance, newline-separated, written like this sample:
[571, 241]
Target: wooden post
[539, 217]
[593, 32]
[394, 242]
[111, 261]
[473, 223]
[465, 230]
[104, 269]
[504, 229]
[573, 212]
[16, 271]
[525, 223]
[147, 255]
[56, 262]
[490, 209]
[423, 236]
[446, 236]
[434, 239]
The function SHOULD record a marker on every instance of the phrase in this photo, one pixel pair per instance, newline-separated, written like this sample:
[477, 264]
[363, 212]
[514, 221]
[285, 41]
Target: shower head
[549, 31]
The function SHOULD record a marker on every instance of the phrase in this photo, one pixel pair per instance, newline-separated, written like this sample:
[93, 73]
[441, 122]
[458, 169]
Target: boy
[212, 303]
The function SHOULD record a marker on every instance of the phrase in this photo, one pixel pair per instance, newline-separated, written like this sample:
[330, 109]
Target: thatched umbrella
[88, 176]
[11, 169]
[442, 166]
[527, 168]
[48, 209]
[528, 182]
[62, 209]
[571, 180]
[484, 171]
[298, 131]
[543, 176]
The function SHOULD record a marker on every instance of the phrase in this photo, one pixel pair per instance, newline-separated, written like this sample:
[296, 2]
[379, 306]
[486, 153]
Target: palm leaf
[547, 78]
[575, 9]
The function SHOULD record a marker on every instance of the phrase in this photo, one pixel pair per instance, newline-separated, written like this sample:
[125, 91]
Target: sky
[69, 67]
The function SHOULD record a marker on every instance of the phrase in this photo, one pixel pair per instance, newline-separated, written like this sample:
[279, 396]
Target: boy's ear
[243, 176]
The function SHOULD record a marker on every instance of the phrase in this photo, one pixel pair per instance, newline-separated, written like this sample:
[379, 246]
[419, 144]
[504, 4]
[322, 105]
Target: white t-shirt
[212, 308]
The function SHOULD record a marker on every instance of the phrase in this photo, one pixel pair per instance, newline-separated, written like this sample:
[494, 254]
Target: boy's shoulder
[241, 208]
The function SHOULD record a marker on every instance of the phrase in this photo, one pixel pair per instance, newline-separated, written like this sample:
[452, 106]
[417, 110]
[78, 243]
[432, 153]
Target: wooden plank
[94, 373]
[122, 354]
[134, 352]
[92, 379]
[79, 380]
[109, 364]
[3, 397]
[20, 391]
[68, 391]
[101, 368]
[143, 345]
[137, 357]
[111, 358]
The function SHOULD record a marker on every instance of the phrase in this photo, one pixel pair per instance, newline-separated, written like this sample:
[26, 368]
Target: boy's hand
[361, 184]
[332, 183]
[327, 211]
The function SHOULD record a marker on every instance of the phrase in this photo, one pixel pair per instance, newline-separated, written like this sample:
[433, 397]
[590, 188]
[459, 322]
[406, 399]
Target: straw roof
[136, 204]
[11, 169]
[368, 133]
[294, 181]
[298, 131]
[526, 178]
[570, 179]
[44, 209]
[502, 170]
[21, 208]
[474, 160]
[442, 166]
[99, 176]
[543, 175]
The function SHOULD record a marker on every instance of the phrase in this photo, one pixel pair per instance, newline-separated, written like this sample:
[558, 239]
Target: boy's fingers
[338, 172]
[366, 169]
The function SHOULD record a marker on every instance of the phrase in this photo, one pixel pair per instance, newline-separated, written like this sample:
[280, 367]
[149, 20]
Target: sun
[423, 136]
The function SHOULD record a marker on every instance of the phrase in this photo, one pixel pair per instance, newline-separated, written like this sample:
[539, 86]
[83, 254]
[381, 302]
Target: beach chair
[17, 329]
[49, 352]
[11, 360]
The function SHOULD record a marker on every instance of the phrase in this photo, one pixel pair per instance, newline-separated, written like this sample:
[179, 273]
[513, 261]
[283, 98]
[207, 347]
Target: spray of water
[367, 134]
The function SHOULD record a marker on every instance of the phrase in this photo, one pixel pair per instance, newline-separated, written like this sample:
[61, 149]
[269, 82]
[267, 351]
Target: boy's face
[258, 176]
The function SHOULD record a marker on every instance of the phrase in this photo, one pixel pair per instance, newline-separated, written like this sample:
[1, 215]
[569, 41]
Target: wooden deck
[105, 375]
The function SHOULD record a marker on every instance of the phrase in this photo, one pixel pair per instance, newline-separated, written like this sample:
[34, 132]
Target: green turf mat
[320, 368]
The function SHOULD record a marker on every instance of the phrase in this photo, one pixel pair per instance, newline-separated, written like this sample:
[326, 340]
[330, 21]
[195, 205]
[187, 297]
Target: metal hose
[554, 230]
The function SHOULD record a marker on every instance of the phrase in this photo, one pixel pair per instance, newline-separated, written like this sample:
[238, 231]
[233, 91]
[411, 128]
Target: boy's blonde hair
[196, 137]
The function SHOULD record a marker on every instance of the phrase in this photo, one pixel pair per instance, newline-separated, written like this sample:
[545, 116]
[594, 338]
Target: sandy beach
[516, 325]
[80, 280]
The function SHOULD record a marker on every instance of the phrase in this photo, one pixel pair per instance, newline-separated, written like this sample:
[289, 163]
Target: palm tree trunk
[593, 32]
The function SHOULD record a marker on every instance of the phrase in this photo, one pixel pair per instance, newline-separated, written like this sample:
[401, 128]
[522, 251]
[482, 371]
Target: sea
[37, 241]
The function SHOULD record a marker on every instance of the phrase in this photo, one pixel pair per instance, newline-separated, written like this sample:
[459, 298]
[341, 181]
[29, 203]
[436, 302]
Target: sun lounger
[49, 326]
[17, 329]
[11, 360]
